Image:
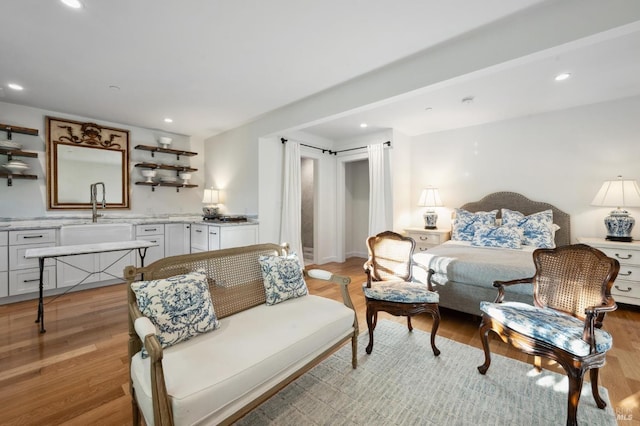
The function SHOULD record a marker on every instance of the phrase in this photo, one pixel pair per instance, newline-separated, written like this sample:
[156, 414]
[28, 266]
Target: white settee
[218, 376]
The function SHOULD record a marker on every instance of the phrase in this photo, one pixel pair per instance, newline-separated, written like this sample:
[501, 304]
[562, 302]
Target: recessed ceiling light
[15, 86]
[563, 76]
[468, 100]
[168, 120]
[428, 109]
[363, 125]
[75, 4]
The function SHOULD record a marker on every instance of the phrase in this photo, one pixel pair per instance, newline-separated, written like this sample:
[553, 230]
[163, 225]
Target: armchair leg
[537, 363]
[576, 378]
[434, 330]
[484, 331]
[372, 319]
[593, 373]
[409, 323]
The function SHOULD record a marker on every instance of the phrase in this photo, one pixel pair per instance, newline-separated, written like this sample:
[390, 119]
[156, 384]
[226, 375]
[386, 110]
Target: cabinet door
[177, 239]
[18, 261]
[77, 269]
[153, 253]
[199, 238]
[238, 236]
[214, 238]
[113, 263]
[4, 284]
[26, 281]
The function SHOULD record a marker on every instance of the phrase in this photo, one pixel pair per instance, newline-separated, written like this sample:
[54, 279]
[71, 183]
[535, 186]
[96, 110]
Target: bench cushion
[211, 376]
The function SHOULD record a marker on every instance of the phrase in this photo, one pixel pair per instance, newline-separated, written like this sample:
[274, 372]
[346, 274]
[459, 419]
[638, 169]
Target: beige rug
[402, 383]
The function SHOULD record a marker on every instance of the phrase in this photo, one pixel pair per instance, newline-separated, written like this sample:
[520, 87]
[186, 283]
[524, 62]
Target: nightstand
[626, 288]
[427, 238]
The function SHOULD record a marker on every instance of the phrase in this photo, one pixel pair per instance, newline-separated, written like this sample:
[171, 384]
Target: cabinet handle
[424, 238]
[198, 230]
[150, 229]
[153, 241]
[36, 280]
[422, 249]
[624, 291]
[213, 233]
[624, 258]
[624, 275]
[33, 236]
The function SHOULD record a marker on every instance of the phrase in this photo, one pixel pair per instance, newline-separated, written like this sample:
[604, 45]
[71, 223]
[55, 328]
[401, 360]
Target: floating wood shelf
[17, 153]
[11, 176]
[17, 129]
[176, 152]
[176, 185]
[166, 167]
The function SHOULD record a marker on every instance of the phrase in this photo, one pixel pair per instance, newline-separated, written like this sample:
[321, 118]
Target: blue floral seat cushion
[400, 291]
[547, 325]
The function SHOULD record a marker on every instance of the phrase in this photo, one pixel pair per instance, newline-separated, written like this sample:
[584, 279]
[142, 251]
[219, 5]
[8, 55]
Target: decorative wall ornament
[90, 134]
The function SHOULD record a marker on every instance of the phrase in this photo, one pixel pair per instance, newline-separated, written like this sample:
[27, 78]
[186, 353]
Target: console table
[72, 250]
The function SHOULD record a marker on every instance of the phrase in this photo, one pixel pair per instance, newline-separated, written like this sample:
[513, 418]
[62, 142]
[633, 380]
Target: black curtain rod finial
[283, 140]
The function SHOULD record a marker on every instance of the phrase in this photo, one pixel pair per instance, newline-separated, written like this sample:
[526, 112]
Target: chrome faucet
[94, 200]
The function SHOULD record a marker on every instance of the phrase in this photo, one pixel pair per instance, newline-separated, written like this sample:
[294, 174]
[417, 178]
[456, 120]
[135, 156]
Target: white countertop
[59, 251]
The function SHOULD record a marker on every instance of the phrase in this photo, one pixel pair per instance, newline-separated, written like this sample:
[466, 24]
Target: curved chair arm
[429, 272]
[368, 269]
[341, 280]
[500, 285]
[593, 319]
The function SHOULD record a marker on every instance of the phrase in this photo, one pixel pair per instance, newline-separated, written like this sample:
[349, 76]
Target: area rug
[402, 383]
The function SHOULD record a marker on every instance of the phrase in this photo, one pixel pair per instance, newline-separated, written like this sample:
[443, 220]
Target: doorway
[308, 196]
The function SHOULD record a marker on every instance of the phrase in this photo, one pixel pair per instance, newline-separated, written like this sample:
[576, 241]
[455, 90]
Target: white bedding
[459, 261]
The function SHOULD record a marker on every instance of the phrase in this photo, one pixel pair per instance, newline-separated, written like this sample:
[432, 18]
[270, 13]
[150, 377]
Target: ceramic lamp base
[619, 225]
[430, 220]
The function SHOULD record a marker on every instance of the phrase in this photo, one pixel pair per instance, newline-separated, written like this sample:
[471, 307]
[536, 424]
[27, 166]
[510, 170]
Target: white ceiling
[212, 65]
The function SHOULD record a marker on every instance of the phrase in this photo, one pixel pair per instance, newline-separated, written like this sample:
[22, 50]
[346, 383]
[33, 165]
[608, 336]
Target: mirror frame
[87, 135]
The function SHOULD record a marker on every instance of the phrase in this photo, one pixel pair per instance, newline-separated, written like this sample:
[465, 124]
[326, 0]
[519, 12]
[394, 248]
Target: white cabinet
[626, 288]
[24, 274]
[237, 236]
[154, 233]
[427, 238]
[199, 238]
[214, 237]
[4, 264]
[177, 239]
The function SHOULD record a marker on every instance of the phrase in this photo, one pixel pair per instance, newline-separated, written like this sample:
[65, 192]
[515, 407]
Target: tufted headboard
[518, 202]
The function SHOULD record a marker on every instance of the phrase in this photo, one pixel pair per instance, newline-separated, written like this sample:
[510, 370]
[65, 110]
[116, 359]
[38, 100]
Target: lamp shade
[211, 196]
[430, 197]
[618, 193]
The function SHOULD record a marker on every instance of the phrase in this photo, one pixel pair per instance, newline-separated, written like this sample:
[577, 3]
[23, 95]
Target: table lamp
[211, 198]
[430, 198]
[618, 193]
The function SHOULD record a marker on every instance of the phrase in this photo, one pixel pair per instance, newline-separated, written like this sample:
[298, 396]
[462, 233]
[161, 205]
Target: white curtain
[291, 216]
[378, 192]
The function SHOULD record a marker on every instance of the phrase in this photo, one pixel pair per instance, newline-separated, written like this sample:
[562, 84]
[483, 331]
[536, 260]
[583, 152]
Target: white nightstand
[427, 238]
[626, 288]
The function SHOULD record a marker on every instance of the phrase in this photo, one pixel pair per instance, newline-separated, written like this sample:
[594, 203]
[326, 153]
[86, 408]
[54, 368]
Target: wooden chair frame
[396, 308]
[593, 316]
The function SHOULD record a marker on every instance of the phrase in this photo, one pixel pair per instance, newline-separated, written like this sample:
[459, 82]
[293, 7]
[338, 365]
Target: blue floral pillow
[537, 228]
[498, 236]
[283, 278]
[180, 307]
[465, 223]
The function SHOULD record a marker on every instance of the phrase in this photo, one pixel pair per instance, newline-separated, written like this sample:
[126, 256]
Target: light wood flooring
[76, 373]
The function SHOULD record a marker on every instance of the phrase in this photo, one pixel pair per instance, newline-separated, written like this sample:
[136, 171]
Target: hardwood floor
[76, 373]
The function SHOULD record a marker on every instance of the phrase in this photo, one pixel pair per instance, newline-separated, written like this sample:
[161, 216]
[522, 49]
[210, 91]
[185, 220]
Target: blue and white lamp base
[430, 219]
[619, 225]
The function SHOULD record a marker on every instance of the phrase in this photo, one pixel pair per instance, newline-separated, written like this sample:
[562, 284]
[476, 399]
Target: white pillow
[180, 307]
[283, 278]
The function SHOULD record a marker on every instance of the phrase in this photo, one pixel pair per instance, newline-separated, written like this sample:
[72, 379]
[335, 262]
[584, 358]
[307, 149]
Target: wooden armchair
[389, 287]
[572, 294]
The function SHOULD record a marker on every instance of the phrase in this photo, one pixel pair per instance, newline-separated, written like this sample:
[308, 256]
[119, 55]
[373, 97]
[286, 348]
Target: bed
[464, 273]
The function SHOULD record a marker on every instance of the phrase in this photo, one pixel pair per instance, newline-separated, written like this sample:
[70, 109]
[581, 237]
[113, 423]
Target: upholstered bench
[238, 336]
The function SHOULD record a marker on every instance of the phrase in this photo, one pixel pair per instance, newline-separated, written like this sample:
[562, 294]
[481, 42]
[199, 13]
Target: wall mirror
[79, 154]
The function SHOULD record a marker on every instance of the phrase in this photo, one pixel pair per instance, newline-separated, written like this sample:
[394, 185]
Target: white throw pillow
[283, 278]
[180, 307]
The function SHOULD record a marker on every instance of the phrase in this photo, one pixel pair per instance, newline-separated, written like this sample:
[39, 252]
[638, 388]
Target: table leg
[40, 318]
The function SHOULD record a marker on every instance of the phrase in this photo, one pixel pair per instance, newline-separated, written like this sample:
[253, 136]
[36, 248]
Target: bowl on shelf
[165, 141]
[149, 174]
[16, 166]
[168, 179]
[185, 177]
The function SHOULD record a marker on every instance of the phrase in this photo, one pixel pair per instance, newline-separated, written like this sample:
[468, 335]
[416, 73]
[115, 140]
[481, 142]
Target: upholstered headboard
[518, 202]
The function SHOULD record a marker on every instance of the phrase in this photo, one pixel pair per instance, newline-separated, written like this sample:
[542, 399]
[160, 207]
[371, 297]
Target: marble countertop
[7, 224]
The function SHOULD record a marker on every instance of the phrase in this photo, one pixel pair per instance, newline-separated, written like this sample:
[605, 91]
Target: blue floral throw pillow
[501, 236]
[465, 223]
[180, 307]
[537, 228]
[283, 278]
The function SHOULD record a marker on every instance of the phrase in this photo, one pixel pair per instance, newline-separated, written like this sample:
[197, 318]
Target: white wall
[28, 198]
[561, 158]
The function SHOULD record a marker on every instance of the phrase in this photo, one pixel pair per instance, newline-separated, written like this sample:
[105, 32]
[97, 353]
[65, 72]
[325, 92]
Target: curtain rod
[283, 140]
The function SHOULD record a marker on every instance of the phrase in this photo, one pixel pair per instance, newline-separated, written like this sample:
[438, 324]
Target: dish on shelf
[7, 144]
[16, 166]
[165, 141]
[168, 179]
[149, 174]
